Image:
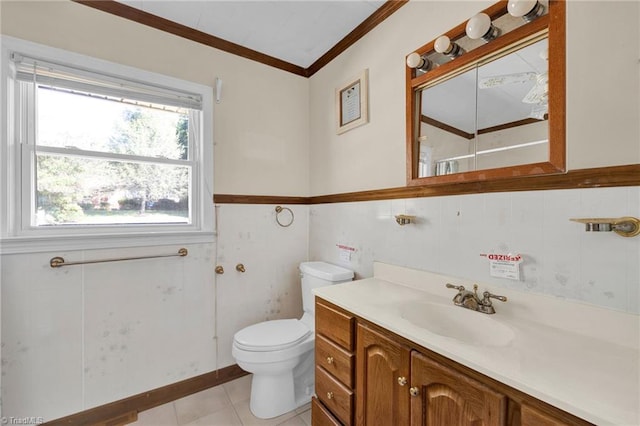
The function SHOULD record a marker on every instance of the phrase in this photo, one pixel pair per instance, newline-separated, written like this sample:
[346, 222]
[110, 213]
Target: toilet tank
[320, 274]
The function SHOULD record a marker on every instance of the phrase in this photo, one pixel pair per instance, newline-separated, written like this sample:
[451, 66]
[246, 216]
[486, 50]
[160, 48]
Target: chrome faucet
[470, 300]
[465, 298]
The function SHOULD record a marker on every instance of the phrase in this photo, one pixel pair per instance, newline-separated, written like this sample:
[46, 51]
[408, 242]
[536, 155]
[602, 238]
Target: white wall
[275, 135]
[373, 156]
[261, 125]
[603, 99]
[560, 258]
[270, 287]
[602, 93]
[81, 336]
[603, 110]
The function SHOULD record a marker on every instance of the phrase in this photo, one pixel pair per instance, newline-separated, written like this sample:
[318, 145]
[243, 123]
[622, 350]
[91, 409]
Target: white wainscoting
[560, 258]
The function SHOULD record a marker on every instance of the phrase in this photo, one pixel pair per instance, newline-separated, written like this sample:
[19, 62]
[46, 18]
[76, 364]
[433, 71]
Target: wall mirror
[481, 110]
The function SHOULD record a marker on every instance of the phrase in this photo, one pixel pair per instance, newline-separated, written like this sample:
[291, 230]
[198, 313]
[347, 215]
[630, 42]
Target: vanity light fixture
[414, 60]
[480, 26]
[525, 9]
[625, 226]
[444, 45]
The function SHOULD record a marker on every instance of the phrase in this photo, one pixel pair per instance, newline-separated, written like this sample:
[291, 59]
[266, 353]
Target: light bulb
[414, 60]
[480, 26]
[526, 9]
[444, 45]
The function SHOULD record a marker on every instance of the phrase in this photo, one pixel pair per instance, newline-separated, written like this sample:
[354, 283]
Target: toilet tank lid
[326, 271]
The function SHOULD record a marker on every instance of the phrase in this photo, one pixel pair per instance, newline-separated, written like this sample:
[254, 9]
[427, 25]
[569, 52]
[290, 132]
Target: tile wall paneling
[270, 287]
[41, 337]
[450, 233]
[81, 336]
[149, 325]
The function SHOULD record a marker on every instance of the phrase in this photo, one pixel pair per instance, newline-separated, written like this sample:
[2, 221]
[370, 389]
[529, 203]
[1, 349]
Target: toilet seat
[271, 335]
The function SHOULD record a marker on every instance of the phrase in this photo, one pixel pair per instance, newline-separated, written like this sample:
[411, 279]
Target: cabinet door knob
[414, 391]
[329, 395]
[329, 360]
[402, 381]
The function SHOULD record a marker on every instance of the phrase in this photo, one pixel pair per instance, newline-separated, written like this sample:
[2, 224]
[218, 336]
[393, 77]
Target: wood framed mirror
[495, 111]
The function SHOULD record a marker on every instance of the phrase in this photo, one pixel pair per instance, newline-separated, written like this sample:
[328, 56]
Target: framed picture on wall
[352, 103]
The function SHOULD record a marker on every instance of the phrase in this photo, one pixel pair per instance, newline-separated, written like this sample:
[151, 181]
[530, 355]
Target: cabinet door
[381, 398]
[446, 397]
[533, 417]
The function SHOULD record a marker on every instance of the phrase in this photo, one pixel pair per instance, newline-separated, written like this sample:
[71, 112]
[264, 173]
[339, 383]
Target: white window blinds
[94, 83]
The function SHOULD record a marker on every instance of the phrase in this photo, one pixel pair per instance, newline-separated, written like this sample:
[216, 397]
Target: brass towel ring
[279, 210]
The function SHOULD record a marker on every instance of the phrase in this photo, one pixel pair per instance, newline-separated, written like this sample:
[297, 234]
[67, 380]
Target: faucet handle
[488, 296]
[457, 287]
[486, 306]
[458, 298]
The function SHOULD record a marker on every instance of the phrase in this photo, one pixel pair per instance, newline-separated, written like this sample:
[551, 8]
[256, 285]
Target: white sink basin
[458, 323]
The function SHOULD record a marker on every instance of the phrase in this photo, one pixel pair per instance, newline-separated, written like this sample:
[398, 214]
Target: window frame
[16, 232]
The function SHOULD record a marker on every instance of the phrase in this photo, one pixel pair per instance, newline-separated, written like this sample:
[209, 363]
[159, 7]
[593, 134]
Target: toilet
[280, 353]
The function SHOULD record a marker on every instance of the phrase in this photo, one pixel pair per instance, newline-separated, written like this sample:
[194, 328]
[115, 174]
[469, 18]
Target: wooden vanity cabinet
[400, 386]
[334, 357]
[378, 378]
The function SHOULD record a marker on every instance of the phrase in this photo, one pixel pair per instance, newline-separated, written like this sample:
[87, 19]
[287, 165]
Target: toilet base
[265, 403]
[275, 395]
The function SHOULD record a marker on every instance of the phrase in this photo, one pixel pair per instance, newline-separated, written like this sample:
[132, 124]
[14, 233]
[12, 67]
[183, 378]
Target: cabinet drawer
[335, 396]
[335, 360]
[335, 324]
[534, 417]
[320, 416]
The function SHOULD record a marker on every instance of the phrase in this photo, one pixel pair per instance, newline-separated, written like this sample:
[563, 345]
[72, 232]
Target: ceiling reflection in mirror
[492, 115]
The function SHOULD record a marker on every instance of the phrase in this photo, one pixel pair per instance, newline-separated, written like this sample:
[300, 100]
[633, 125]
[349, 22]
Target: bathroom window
[99, 151]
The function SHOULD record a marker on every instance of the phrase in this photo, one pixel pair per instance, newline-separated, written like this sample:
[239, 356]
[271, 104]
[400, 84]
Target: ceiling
[301, 36]
[295, 31]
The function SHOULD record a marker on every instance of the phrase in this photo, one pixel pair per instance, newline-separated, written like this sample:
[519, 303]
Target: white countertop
[596, 378]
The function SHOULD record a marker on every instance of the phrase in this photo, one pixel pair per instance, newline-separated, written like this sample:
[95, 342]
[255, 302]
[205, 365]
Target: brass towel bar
[57, 262]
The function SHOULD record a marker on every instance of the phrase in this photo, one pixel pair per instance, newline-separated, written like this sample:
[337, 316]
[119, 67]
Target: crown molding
[136, 15]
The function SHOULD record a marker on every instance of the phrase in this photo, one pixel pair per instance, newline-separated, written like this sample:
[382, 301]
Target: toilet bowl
[280, 353]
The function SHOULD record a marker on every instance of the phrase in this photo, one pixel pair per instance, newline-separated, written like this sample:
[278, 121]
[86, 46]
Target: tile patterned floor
[224, 405]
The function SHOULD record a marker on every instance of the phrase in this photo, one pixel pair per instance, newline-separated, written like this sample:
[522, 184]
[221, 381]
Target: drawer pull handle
[414, 391]
[329, 395]
[402, 381]
[329, 360]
